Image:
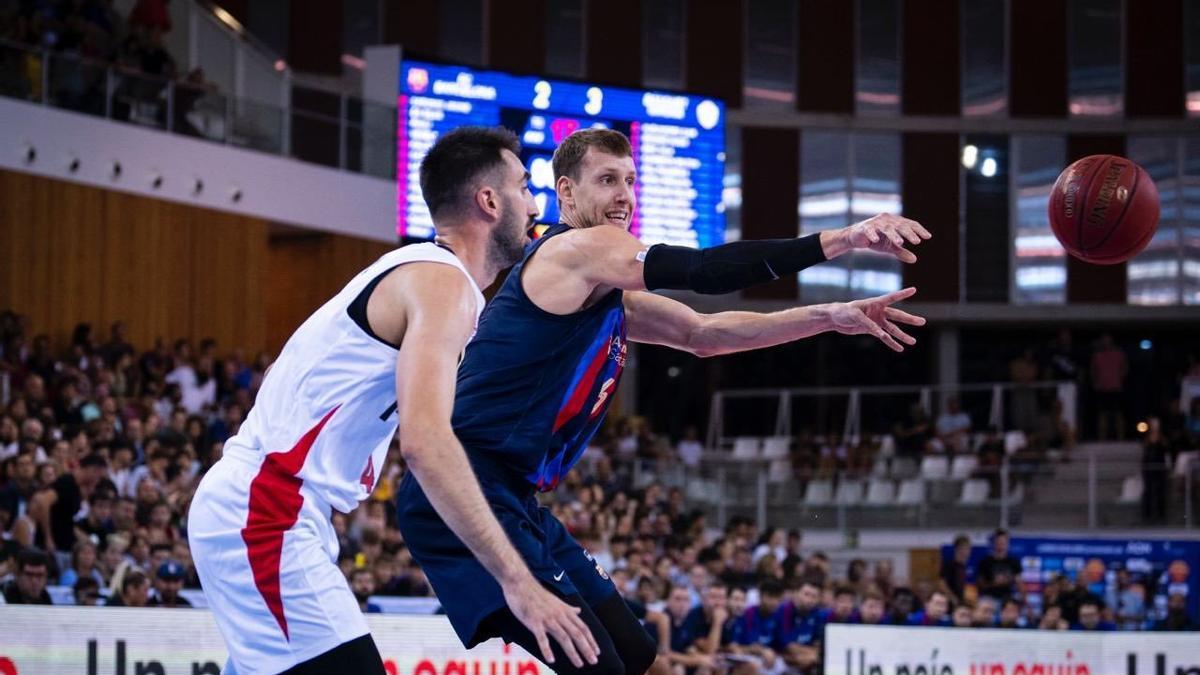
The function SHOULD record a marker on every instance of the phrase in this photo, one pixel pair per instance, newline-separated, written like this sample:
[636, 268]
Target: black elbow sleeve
[730, 267]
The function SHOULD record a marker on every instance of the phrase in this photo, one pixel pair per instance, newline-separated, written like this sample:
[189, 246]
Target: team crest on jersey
[617, 349]
[367, 480]
[599, 568]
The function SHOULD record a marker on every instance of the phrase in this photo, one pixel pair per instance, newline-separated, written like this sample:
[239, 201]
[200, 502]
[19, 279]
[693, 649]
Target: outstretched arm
[571, 266]
[439, 314]
[657, 320]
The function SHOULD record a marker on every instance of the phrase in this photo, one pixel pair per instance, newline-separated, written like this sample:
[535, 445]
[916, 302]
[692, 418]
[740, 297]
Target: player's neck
[472, 252]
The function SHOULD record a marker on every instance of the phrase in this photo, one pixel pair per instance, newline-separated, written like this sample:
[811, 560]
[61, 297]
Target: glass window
[662, 44]
[985, 61]
[1039, 261]
[1191, 37]
[1095, 74]
[986, 205]
[877, 82]
[460, 31]
[731, 187]
[845, 178]
[1190, 223]
[564, 38]
[770, 54]
[1154, 274]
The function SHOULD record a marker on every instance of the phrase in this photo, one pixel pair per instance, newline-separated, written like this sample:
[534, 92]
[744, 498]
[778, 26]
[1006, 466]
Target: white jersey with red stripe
[332, 367]
[259, 524]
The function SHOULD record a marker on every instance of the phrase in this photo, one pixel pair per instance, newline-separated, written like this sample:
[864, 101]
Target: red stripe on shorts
[275, 503]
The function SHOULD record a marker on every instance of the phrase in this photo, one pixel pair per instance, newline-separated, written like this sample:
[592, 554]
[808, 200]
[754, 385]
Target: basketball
[1104, 209]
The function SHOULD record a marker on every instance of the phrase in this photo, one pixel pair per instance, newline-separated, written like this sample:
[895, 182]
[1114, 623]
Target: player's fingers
[899, 334]
[902, 316]
[905, 256]
[919, 228]
[895, 237]
[564, 641]
[885, 338]
[897, 296]
[872, 233]
[543, 643]
[910, 234]
[584, 641]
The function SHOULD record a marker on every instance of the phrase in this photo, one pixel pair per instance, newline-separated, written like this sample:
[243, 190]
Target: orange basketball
[1104, 209]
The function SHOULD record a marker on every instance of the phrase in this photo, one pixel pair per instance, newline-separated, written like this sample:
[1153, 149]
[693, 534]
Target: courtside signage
[886, 650]
[125, 641]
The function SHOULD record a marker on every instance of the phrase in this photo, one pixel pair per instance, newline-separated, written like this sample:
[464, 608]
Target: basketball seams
[1083, 198]
[1137, 179]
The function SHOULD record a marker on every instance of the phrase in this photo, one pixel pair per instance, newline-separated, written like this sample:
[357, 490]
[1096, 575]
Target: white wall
[272, 187]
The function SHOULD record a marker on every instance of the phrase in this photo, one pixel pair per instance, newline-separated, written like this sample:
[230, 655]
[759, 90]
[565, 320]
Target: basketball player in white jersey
[382, 353]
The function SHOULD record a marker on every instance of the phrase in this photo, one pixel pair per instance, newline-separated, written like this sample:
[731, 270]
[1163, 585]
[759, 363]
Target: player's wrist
[835, 242]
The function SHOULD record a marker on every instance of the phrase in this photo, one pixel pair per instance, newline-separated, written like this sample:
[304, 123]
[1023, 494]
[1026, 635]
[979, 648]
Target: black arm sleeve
[729, 267]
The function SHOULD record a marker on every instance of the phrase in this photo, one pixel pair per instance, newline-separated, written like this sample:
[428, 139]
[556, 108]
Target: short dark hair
[961, 539]
[570, 153]
[133, 579]
[1000, 532]
[32, 557]
[843, 590]
[458, 158]
[771, 587]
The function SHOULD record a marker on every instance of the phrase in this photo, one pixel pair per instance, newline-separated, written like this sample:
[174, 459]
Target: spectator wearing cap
[802, 626]
[998, 572]
[135, 591]
[1091, 618]
[168, 581]
[29, 585]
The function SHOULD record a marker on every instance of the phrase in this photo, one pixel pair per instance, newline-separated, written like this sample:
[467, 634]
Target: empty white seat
[912, 493]
[880, 469]
[903, 468]
[881, 492]
[1014, 441]
[746, 447]
[963, 466]
[935, 467]
[849, 493]
[887, 446]
[776, 447]
[780, 471]
[974, 492]
[1131, 490]
[819, 493]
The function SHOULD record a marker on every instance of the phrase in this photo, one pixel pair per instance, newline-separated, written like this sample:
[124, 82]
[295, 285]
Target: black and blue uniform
[532, 390]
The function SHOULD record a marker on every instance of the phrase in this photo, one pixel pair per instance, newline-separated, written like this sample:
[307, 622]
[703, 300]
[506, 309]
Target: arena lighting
[1142, 427]
[970, 155]
[988, 168]
[227, 19]
[280, 65]
[1146, 345]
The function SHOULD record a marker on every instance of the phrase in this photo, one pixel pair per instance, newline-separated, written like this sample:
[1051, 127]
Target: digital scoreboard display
[678, 143]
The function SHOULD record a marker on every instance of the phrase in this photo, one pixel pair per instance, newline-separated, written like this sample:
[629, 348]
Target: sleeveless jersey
[330, 396]
[533, 386]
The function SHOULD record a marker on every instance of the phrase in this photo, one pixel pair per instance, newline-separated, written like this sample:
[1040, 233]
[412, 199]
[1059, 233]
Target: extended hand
[877, 317]
[887, 233]
[544, 613]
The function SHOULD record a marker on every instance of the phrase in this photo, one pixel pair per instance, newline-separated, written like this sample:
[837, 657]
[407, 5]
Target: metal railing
[1005, 405]
[1019, 489]
[338, 136]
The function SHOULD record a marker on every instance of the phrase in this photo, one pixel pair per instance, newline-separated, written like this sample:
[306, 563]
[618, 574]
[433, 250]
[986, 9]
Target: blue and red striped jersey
[533, 386]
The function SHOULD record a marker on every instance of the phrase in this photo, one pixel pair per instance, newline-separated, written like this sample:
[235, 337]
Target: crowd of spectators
[85, 37]
[102, 446]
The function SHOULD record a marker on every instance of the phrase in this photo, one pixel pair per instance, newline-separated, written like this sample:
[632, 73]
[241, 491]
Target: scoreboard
[678, 143]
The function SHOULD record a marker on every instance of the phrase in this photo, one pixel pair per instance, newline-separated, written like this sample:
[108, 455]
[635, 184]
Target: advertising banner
[126, 641]
[1161, 566]
[887, 650]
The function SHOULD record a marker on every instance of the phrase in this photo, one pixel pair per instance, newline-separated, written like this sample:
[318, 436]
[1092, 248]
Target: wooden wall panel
[72, 253]
[303, 271]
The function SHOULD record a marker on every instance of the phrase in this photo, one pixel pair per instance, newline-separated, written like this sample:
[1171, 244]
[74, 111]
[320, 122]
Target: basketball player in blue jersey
[543, 366]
